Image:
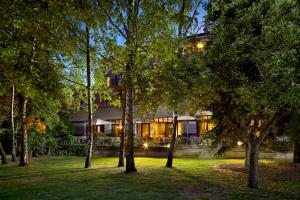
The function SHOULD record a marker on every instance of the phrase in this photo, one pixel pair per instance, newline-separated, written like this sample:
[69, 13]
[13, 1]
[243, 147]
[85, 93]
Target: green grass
[191, 178]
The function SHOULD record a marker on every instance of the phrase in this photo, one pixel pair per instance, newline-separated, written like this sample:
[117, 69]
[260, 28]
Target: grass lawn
[191, 178]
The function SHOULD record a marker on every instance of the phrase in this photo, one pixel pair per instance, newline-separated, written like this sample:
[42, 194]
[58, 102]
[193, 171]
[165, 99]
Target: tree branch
[67, 79]
[193, 16]
[111, 21]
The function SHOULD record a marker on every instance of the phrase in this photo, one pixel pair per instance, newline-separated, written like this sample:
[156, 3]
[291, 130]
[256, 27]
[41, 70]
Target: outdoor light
[200, 45]
[168, 145]
[239, 143]
[145, 145]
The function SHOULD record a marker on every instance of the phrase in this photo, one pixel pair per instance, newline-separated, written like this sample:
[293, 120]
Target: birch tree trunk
[171, 150]
[122, 136]
[13, 134]
[131, 47]
[88, 160]
[130, 165]
[24, 141]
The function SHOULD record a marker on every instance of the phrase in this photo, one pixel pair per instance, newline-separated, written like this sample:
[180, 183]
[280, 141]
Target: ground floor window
[159, 130]
[98, 130]
[155, 132]
[112, 129]
[116, 128]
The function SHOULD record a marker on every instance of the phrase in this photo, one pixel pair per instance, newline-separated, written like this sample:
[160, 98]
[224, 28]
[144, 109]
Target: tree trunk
[24, 142]
[3, 155]
[253, 165]
[171, 150]
[122, 136]
[35, 152]
[88, 71]
[13, 134]
[131, 47]
[247, 155]
[296, 151]
[130, 165]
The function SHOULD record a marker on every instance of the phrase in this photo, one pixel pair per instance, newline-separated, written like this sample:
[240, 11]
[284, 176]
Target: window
[145, 131]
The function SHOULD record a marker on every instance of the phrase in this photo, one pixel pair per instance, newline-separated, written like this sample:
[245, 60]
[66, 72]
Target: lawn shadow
[53, 171]
[198, 187]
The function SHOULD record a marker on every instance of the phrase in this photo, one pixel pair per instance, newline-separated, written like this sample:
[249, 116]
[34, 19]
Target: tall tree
[140, 30]
[254, 76]
[24, 137]
[122, 136]
[159, 84]
[12, 116]
[82, 28]
[3, 155]
[26, 42]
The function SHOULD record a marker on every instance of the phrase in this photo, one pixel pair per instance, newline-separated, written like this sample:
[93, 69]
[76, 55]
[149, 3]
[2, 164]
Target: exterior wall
[190, 151]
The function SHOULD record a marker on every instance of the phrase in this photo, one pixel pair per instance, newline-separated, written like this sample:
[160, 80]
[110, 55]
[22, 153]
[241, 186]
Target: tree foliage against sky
[253, 58]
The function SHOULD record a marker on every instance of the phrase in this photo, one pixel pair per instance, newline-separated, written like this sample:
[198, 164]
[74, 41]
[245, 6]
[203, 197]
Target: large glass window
[157, 131]
[169, 129]
[145, 131]
[179, 128]
[98, 130]
[192, 128]
[117, 128]
[205, 124]
[189, 128]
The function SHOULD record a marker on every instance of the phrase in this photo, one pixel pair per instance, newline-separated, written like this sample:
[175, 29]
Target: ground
[191, 178]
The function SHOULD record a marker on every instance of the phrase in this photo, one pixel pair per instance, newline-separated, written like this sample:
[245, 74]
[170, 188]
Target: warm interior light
[168, 145]
[239, 143]
[145, 145]
[200, 45]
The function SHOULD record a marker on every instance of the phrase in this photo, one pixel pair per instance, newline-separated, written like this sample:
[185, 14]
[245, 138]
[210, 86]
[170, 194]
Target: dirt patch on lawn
[278, 171]
[213, 193]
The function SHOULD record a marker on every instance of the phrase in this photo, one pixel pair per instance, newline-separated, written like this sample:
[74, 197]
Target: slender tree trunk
[18, 147]
[90, 130]
[131, 47]
[24, 142]
[296, 151]
[130, 165]
[253, 165]
[247, 154]
[179, 55]
[35, 152]
[122, 136]
[171, 150]
[3, 155]
[13, 134]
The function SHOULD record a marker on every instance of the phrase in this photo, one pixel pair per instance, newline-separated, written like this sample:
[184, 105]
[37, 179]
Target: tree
[122, 136]
[139, 24]
[26, 56]
[3, 155]
[82, 28]
[161, 81]
[253, 73]
[13, 134]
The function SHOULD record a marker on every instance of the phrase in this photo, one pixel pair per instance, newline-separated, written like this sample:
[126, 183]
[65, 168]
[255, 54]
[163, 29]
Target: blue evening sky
[202, 13]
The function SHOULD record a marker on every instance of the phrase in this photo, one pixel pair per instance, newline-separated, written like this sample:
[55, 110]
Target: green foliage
[252, 57]
[167, 76]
